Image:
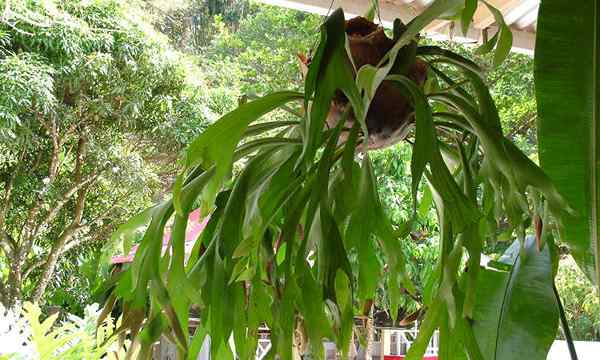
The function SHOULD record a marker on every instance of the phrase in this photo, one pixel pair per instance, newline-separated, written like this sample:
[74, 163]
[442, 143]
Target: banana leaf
[516, 314]
[566, 79]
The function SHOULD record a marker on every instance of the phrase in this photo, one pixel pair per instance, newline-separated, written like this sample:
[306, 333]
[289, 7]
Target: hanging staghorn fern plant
[293, 236]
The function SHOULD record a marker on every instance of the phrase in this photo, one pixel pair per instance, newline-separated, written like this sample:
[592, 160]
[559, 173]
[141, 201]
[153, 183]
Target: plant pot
[391, 114]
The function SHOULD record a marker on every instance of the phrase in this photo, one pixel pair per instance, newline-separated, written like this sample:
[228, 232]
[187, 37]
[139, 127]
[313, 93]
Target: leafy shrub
[580, 301]
[25, 335]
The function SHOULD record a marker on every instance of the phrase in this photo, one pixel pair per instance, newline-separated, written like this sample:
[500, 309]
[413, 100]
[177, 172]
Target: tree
[190, 24]
[94, 109]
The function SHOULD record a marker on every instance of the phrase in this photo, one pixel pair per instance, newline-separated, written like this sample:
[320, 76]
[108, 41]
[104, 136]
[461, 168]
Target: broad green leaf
[425, 139]
[343, 293]
[215, 146]
[470, 237]
[503, 45]
[460, 341]
[434, 11]
[271, 194]
[258, 129]
[259, 310]
[146, 262]
[217, 287]
[516, 315]
[360, 232]
[505, 165]
[451, 339]
[160, 294]
[365, 80]
[285, 320]
[250, 147]
[312, 309]
[329, 71]
[262, 188]
[428, 326]
[467, 15]
[461, 212]
[566, 79]
[208, 234]
[504, 39]
[331, 254]
[425, 203]
[372, 10]
[176, 277]
[126, 232]
[186, 190]
[150, 334]
[244, 344]
[198, 340]
[449, 279]
[487, 46]
[427, 150]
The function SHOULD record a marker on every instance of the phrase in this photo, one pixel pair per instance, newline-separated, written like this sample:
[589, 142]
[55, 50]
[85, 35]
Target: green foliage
[260, 56]
[94, 108]
[509, 316]
[79, 279]
[312, 187]
[581, 304]
[190, 24]
[512, 88]
[25, 80]
[32, 337]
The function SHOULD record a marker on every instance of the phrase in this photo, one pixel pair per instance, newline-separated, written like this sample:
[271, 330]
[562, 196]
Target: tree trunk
[57, 250]
[67, 234]
[15, 281]
[47, 272]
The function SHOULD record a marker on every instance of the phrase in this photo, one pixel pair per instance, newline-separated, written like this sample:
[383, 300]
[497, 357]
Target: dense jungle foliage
[94, 107]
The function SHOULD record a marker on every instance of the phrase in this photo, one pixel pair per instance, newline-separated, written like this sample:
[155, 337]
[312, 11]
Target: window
[394, 344]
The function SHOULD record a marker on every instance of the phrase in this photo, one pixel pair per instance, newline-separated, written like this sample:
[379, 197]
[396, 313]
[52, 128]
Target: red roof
[195, 226]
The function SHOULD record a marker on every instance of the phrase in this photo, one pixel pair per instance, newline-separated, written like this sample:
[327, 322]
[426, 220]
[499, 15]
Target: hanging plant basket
[391, 114]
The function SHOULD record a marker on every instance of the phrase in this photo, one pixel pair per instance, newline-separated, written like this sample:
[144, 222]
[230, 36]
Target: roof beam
[406, 10]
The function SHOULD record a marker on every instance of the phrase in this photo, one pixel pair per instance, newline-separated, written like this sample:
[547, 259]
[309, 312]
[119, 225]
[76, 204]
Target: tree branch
[104, 215]
[58, 247]
[77, 240]
[8, 192]
[71, 230]
[3, 293]
[52, 259]
[79, 184]
[52, 129]
[29, 230]
[30, 268]
[59, 206]
[7, 244]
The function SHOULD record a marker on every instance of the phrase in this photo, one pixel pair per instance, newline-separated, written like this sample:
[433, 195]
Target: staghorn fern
[293, 236]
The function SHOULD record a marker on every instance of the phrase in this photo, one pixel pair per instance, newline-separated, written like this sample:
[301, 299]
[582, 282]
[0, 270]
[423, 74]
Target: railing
[264, 345]
[402, 340]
